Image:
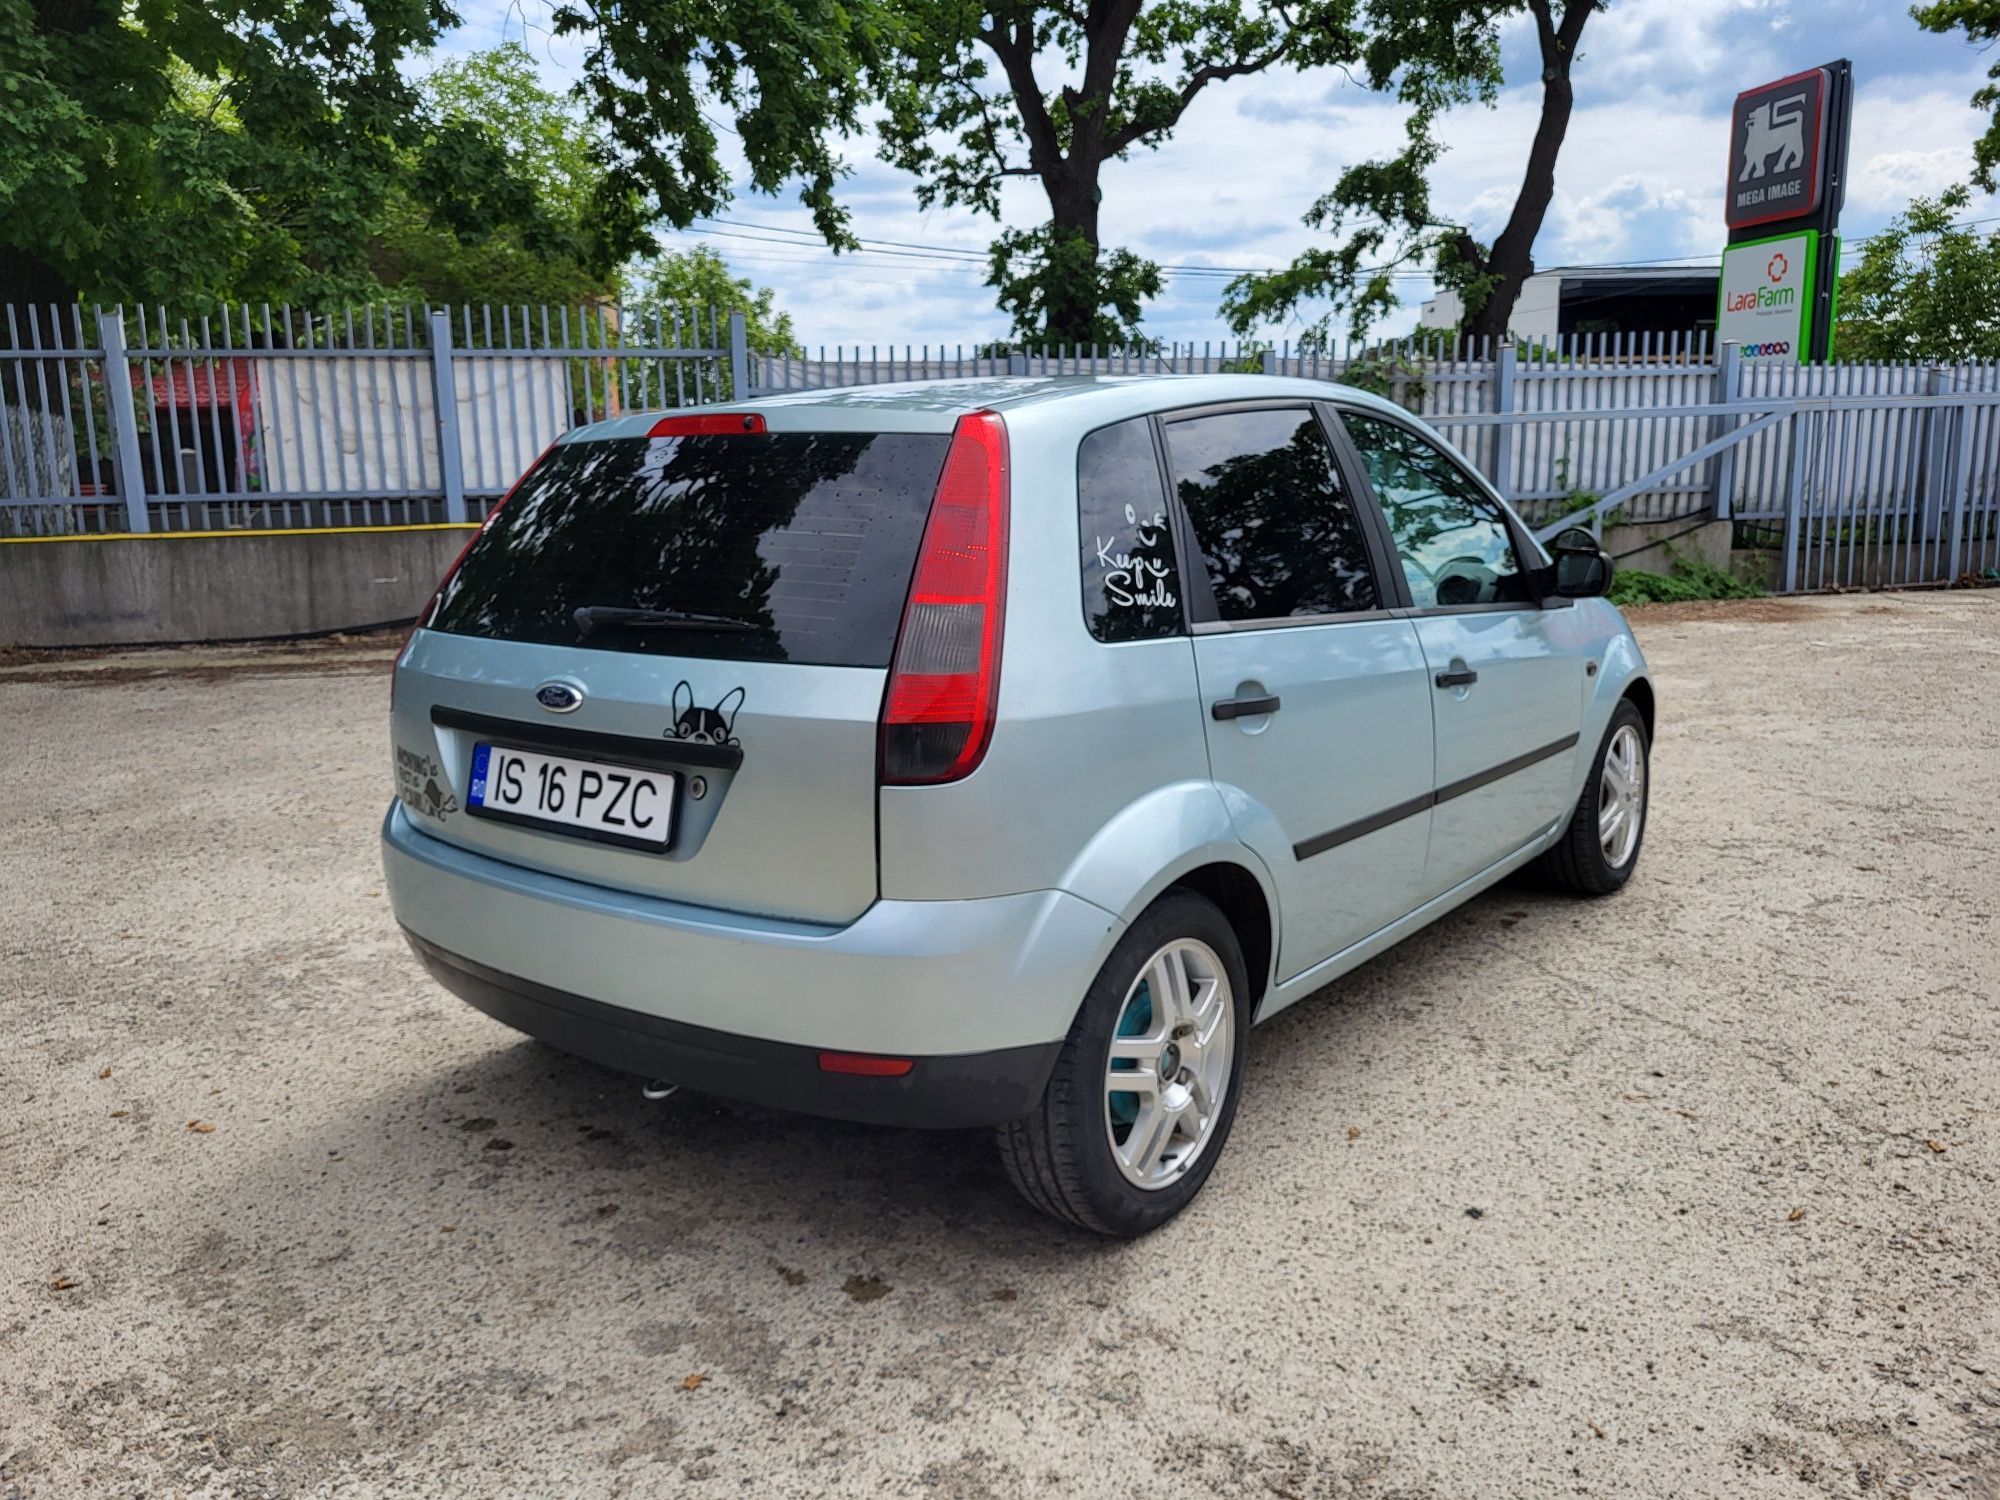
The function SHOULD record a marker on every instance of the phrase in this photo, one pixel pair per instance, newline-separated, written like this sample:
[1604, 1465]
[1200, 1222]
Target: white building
[1565, 300]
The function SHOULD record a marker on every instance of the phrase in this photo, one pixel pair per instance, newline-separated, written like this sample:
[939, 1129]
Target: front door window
[1451, 538]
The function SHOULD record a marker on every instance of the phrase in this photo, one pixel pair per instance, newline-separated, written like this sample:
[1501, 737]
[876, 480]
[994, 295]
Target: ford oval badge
[558, 697]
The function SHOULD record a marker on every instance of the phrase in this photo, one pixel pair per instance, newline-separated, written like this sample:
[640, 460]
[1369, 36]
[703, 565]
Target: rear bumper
[954, 1091]
[741, 1005]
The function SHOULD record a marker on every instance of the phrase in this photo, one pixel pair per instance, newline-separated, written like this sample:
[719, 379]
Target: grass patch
[1691, 578]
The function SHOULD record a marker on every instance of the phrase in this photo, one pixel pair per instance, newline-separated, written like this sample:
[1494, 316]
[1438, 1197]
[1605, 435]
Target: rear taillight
[430, 608]
[937, 715]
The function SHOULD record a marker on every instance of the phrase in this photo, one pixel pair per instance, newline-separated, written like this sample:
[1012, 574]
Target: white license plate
[590, 798]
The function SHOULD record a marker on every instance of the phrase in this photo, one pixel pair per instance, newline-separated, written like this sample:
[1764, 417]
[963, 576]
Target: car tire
[1067, 1156]
[1589, 859]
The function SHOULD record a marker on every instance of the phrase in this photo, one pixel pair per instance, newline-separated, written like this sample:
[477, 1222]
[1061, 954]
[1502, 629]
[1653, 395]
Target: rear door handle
[1464, 677]
[1244, 708]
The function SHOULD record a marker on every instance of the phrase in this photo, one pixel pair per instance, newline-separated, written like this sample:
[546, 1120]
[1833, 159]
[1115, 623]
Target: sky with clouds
[1640, 177]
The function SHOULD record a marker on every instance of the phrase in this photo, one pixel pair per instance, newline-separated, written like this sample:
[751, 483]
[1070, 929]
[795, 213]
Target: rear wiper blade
[589, 616]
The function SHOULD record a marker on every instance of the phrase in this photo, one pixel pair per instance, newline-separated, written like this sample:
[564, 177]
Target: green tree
[793, 74]
[178, 151]
[1980, 21]
[1077, 86]
[1924, 288]
[187, 151]
[676, 281]
[524, 161]
[1433, 54]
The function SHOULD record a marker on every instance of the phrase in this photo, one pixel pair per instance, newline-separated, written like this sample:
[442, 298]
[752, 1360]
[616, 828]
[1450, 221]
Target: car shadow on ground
[530, 1159]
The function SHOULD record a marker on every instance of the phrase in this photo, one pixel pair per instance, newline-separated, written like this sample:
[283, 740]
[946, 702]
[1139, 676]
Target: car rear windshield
[808, 538]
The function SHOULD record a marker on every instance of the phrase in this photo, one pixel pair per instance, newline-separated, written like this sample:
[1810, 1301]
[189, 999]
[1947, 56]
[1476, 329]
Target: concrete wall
[1652, 546]
[198, 588]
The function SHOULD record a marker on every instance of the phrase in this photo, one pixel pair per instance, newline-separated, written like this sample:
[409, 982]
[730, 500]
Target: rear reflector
[713, 424]
[863, 1066]
[937, 713]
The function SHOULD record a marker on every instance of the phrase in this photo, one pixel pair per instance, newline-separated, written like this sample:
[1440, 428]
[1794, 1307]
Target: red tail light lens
[937, 715]
[711, 424]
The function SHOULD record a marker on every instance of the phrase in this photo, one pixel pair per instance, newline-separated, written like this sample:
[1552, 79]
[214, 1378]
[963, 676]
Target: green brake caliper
[1137, 1018]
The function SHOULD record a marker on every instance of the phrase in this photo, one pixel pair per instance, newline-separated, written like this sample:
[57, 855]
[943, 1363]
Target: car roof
[935, 405]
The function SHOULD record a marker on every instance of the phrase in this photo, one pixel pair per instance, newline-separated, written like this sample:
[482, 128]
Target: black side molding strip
[1368, 825]
[1375, 822]
[661, 752]
[1505, 768]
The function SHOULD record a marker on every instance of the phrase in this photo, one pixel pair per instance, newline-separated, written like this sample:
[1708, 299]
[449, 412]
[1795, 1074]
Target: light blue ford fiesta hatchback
[995, 752]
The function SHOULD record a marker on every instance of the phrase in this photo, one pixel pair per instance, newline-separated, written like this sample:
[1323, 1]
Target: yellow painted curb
[180, 536]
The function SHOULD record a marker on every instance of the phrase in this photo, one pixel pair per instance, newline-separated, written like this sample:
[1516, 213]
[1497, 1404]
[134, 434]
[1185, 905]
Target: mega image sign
[1766, 298]
[1777, 148]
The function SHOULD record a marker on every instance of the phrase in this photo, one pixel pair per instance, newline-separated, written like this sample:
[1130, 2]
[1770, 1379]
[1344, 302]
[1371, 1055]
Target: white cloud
[1640, 177]
[1910, 137]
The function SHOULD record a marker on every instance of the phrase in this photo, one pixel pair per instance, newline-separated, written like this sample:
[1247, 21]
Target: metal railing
[1861, 474]
[1869, 492]
[276, 418]
[1653, 383]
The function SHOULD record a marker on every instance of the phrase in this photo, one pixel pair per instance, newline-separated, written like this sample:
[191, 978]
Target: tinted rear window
[1279, 534]
[809, 537]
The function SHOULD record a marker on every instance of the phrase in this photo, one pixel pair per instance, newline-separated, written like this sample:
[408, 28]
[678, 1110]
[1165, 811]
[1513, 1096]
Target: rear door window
[1451, 537]
[803, 541]
[1279, 533]
[1131, 581]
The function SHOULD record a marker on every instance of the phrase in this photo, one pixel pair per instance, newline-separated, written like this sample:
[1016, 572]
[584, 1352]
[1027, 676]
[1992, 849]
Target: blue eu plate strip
[477, 796]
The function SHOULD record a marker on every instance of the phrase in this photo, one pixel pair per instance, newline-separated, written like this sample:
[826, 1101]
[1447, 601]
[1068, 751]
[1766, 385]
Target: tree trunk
[1511, 260]
[1072, 284]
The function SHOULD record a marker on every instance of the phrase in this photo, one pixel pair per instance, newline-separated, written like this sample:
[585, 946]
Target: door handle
[1463, 677]
[1244, 708]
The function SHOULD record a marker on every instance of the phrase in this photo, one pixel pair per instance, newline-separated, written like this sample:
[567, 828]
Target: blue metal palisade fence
[279, 417]
[1857, 474]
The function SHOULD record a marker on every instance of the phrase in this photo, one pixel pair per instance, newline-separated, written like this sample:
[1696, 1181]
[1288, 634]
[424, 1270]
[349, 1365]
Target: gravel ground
[1688, 1192]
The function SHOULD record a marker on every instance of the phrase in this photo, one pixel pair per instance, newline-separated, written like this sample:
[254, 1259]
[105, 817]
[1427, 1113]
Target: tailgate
[707, 614]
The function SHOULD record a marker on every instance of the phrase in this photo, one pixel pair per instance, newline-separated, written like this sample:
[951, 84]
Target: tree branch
[1016, 53]
[990, 128]
[1200, 79]
[1545, 27]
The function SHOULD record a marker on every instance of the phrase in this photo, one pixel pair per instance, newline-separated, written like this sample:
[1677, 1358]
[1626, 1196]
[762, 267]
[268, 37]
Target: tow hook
[658, 1088]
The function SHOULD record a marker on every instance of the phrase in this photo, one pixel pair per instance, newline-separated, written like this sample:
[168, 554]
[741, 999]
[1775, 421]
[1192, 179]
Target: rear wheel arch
[1240, 897]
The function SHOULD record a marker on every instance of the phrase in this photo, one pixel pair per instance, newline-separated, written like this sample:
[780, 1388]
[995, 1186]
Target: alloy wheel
[1170, 1064]
[1621, 797]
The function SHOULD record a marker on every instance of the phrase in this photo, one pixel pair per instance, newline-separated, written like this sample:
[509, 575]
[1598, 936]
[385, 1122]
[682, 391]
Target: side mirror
[1582, 568]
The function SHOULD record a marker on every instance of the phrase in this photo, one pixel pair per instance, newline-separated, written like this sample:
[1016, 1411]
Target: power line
[957, 257]
[908, 249]
[945, 259]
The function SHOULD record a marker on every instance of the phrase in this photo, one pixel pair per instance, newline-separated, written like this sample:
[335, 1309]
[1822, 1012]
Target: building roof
[1631, 273]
